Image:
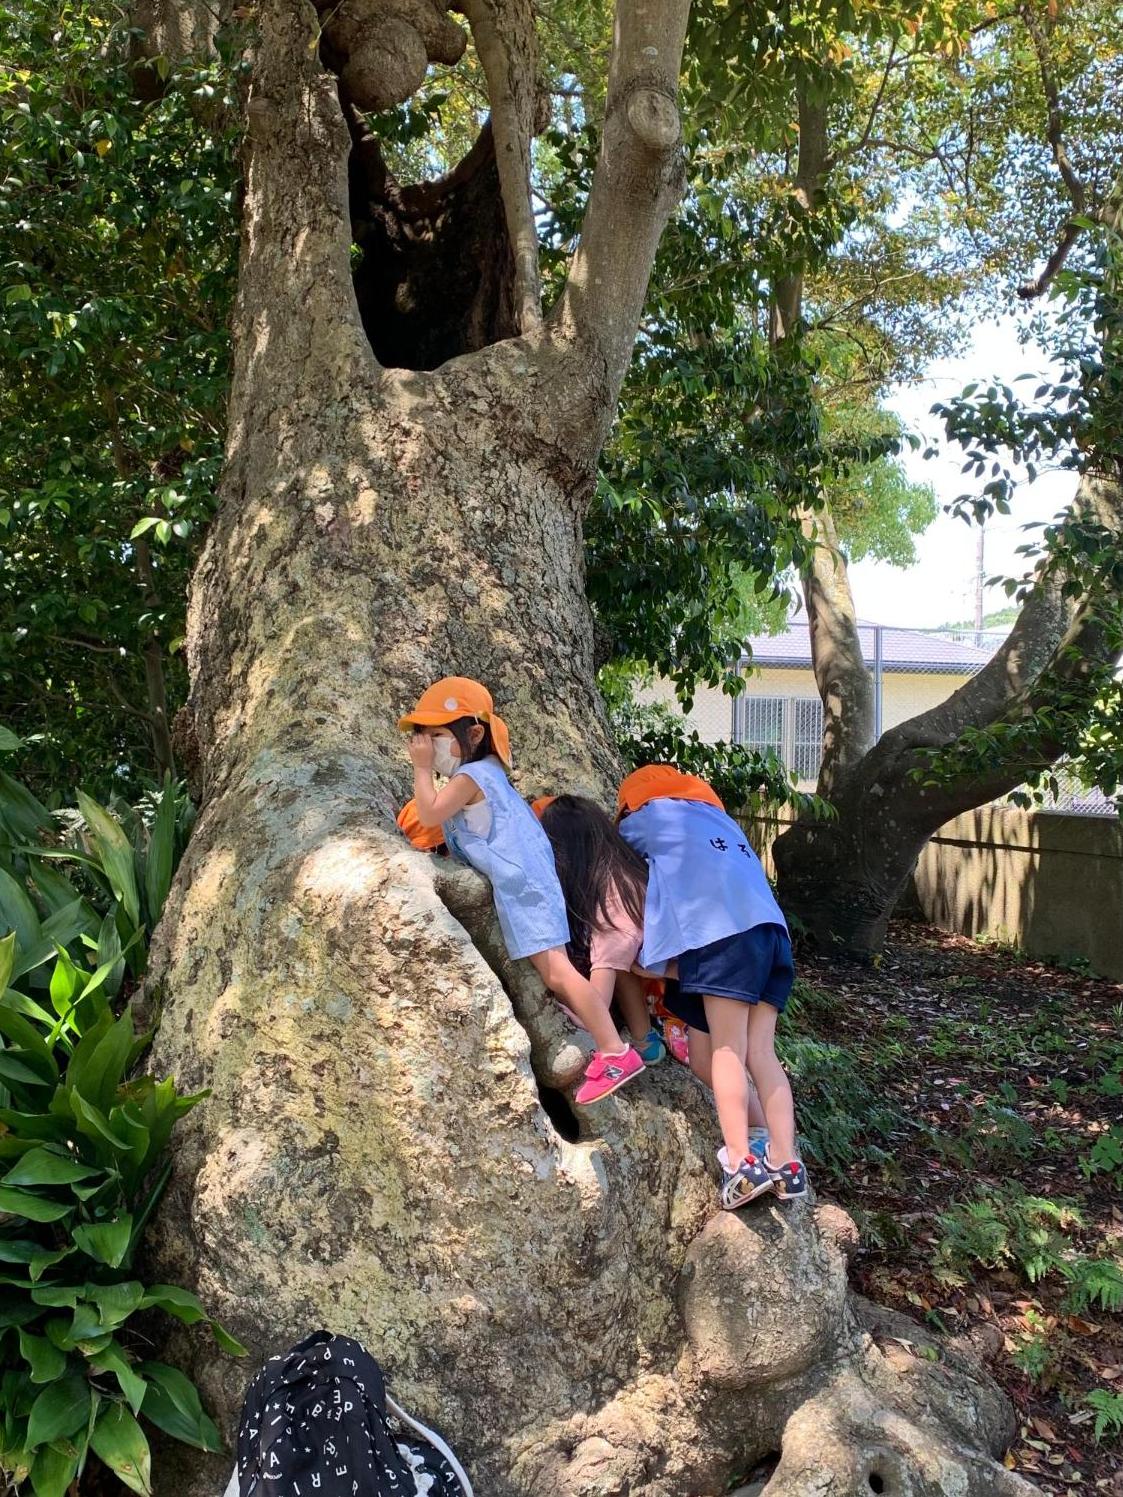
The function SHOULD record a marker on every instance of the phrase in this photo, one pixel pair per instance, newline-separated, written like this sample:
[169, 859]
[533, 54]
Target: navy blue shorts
[753, 966]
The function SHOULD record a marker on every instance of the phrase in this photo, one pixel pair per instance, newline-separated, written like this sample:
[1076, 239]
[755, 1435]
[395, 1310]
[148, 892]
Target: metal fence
[912, 671]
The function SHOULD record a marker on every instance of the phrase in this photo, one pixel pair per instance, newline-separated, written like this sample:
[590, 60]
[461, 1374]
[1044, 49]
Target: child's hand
[421, 751]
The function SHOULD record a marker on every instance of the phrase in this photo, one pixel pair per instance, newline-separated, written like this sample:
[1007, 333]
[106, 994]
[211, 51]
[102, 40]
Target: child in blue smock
[487, 824]
[710, 908]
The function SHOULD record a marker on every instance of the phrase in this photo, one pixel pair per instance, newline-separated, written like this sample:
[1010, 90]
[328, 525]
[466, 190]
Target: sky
[940, 588]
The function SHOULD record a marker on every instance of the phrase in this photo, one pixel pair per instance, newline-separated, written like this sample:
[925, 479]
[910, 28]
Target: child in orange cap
[604, 883]
[487, 824]
[709, 907]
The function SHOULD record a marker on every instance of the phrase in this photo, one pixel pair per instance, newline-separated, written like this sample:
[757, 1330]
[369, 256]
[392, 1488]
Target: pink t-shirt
[617, 947]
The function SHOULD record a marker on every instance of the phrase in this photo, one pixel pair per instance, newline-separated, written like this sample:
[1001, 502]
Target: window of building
[791, 727]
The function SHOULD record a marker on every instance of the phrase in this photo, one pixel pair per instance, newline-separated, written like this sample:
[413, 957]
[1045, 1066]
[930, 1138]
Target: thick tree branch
[505, 38]
[836, 648]
[637, 182]
[812, 167]
[841, 675]
[1055, 645]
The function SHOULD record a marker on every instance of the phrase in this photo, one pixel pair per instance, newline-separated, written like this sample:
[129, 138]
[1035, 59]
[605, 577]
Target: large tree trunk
[386, 1150]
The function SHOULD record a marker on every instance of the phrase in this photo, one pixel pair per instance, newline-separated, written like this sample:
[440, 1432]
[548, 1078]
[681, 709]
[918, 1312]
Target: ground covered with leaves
[965, 1104]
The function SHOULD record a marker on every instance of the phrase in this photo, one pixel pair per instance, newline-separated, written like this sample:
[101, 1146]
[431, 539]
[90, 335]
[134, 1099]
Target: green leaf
[17, 913]
[32, 1047]
[60, 1410]
[7, 958]
[93, 1124]
[119, 1441]
[20, 811]
[172, 1403]
[17, 1250]
[176, 1301]
[143, 525]
[45, 1360]
[228, 1343]
[108, 1242]
[42, 1261]
[8, 741]
[56, 1466]
[66, 982]
[102, 1069]
[34, 1208]
[112, 1359]
[114, 852]
[109, 953]
[48, 1166]
[161, 853]
[115, 1302]
[16, 1072]
[27, 1006]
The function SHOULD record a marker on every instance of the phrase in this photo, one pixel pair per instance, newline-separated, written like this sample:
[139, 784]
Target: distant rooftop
[953, 652]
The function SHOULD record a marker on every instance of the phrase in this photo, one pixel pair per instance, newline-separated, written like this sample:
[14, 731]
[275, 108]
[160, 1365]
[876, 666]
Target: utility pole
[980, 582]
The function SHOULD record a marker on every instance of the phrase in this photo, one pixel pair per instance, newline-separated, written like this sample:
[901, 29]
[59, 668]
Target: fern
[1109, 1412]
[1094, 1281]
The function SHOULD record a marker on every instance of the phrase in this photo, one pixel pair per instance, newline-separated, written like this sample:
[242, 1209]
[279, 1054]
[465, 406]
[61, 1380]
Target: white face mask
[446, 756]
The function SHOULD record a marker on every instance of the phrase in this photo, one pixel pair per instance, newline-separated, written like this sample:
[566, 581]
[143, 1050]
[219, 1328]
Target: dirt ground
[989, 1181]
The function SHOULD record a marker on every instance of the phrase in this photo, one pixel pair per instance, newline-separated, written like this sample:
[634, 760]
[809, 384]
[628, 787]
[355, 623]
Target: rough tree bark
[386, 1150]
[842, 878]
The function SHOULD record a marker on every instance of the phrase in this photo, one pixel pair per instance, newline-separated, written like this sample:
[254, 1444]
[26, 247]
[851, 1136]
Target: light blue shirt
[514, 853]
[704, 881]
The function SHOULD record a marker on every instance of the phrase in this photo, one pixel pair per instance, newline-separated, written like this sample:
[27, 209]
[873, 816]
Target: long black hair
[592, 858]
[460, 731]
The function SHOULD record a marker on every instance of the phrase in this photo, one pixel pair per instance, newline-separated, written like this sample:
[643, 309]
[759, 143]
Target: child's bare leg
[771, 1082]
[562, 977]
[729, 1022]
[633, 1005]
[701, 1061]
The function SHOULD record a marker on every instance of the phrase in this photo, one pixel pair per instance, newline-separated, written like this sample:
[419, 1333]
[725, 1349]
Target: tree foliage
[118, 238]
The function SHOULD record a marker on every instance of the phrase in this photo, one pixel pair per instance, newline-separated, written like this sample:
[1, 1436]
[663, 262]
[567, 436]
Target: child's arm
[433, 809]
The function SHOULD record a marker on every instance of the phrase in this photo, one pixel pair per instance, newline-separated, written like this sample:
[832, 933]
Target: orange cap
[424, 838]
[662, 782]
[539, 805]
[457, 696]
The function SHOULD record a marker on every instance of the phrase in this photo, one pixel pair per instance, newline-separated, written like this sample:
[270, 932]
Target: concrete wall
[1050, 884]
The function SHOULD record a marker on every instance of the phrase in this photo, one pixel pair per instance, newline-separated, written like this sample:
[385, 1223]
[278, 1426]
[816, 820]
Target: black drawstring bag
[314, 1424]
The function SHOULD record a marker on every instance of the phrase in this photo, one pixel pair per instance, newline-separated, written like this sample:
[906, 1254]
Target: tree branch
[841, 676]
[836, 648]
[1054, 134]
[637, 182]
[1055, 642]
[505, 38]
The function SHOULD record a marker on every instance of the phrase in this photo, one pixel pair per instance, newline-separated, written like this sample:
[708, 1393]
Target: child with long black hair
[455, 730]
[604, 883]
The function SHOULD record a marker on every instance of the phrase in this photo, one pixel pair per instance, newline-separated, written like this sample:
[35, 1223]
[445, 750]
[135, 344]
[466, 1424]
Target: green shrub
[844, 1119]
[83, 1147]
[1004, 1228]
[1109, 1412]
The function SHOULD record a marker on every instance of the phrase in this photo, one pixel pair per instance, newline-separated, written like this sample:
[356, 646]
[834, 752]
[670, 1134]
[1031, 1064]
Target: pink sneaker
[606, 1074]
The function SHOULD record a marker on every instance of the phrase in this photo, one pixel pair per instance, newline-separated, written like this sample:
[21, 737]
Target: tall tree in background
[1029, 73]
[411, 447]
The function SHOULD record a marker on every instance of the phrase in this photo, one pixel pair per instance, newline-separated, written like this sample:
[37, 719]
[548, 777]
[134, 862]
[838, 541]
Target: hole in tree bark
[556, 1106]
[435, 275]
[877, 1483]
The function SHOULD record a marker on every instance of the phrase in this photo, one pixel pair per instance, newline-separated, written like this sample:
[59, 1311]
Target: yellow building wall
[904, 694]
